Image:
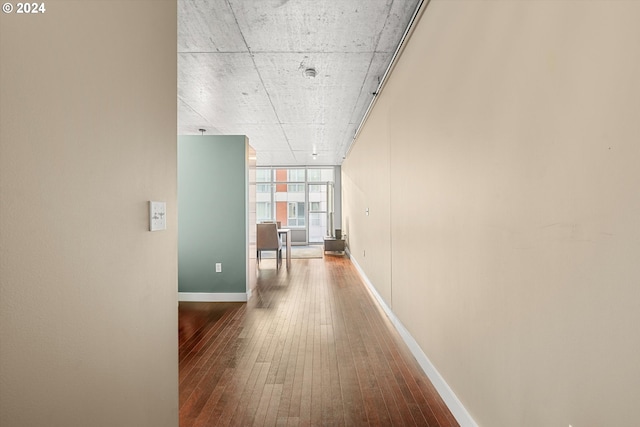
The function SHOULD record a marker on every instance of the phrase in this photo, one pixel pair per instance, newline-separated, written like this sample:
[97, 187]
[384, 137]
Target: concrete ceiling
[241, 70]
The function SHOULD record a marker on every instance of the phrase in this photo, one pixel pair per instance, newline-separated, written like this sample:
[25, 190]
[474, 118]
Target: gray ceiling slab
[208, 26]
[189, 120]
[317, 136]
[223, 88]
[276, 158]
[262, 137]
[327, 98]
[311, 26]
[399, 16]
[372, 80]
[241, 70]
[303, 157]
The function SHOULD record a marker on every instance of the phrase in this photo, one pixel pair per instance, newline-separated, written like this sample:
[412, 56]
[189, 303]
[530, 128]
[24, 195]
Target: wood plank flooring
[311, 348]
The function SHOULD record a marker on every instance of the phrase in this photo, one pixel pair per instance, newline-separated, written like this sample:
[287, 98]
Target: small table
[286, 232]
[331, 244]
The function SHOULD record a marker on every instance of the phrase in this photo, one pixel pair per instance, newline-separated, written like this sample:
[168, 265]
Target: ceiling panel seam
[348, 138]
[206, 52]
[264, 95]
[419, 8]
[193, 109]
[275, 112]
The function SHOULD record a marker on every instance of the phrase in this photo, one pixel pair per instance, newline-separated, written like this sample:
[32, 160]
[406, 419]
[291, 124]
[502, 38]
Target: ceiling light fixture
[310, 73]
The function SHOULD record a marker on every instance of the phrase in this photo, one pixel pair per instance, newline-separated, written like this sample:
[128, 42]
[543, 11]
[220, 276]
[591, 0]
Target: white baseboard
[212, 297]
[450, 399]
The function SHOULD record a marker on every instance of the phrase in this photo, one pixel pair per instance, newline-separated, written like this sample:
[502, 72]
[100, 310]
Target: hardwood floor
[311, 348]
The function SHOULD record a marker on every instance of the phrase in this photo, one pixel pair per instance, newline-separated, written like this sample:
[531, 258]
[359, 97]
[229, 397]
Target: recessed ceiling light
[310, 73]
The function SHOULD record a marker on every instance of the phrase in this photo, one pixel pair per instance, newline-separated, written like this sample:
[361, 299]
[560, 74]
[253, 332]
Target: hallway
[310, 348]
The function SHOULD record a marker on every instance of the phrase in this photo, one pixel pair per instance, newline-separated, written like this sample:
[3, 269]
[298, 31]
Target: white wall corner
[212, 297]
[448, 396]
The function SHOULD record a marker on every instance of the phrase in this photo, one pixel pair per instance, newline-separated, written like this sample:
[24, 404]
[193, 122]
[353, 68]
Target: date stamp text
[24, 8]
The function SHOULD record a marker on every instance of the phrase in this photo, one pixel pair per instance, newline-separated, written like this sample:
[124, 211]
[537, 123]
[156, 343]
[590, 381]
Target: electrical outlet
[218, 267]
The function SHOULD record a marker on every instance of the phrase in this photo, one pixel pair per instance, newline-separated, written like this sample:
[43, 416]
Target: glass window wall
[297, 197]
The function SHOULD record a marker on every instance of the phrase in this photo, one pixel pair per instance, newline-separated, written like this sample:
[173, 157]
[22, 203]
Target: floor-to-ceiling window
[320, 196]
[299, 198]
[264, 195]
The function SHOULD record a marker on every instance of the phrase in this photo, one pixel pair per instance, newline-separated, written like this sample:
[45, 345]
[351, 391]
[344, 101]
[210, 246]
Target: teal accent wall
[212, 213]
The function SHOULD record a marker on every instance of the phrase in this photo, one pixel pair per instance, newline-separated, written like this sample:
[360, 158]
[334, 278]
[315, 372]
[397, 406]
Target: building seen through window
[297, 197]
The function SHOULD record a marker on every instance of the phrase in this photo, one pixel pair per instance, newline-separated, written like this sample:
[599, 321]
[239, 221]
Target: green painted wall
[212, 212]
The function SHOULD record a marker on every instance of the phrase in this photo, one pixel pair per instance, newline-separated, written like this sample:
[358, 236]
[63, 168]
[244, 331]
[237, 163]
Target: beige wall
[365, 204]
[513, 137]
[88, 312]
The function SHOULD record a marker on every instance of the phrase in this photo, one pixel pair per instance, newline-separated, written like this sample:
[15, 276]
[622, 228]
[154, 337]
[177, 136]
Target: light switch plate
[157, 216]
